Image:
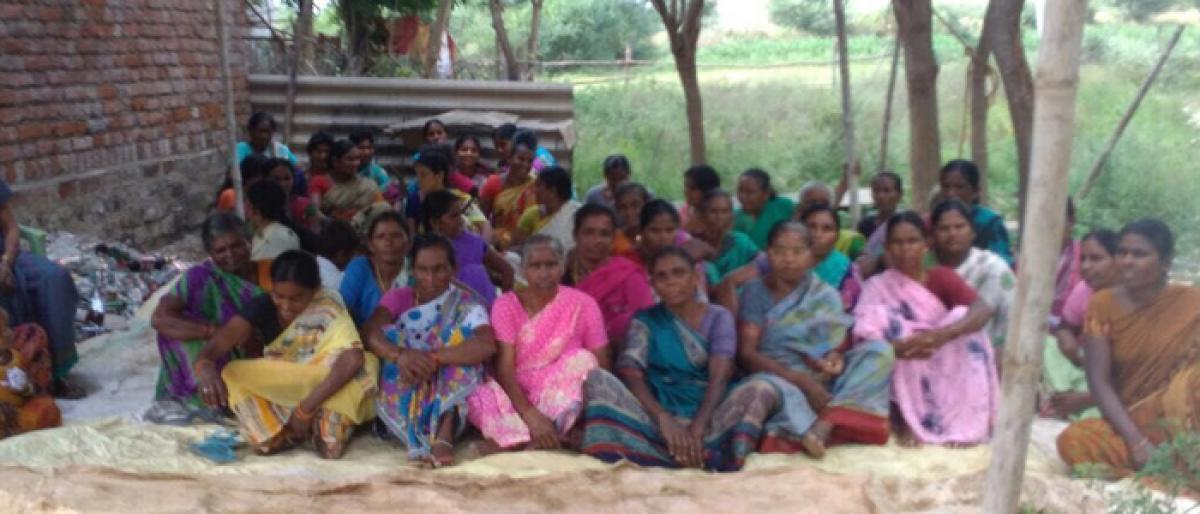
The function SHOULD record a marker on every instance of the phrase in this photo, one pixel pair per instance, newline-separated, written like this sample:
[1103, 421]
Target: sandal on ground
[218, 447]
[168, 412]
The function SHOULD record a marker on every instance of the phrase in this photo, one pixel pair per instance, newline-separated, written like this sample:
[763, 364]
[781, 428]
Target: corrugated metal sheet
[339, 105]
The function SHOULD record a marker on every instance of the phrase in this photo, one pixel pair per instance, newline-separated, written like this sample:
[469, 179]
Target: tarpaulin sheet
[107, 460]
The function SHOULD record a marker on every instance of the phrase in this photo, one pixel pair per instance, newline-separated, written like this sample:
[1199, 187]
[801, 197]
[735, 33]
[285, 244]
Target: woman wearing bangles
[207, 296]
[1142, 339]
[433, 339]
[313, 382]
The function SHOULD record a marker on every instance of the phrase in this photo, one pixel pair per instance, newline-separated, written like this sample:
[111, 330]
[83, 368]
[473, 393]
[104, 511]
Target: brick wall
[112, 113]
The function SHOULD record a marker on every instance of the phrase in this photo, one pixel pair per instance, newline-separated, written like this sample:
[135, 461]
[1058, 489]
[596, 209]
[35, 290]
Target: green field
[788, 121]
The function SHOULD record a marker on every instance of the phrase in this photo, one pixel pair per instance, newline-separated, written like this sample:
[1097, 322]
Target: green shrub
[598, 30]
[811, 16]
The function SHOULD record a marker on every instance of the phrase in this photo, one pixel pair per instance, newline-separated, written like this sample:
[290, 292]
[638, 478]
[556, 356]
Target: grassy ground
[788, 121]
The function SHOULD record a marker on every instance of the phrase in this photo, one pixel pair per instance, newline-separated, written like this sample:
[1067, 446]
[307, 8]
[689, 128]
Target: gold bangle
[300, 413]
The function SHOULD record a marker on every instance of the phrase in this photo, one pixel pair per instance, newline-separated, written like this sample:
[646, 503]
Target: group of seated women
[631, 330]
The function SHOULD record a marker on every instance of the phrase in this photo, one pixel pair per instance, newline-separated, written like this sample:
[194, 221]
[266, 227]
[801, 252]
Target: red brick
[106, 91]
[91, 30]
[41, 62]
[66, 190]
[33, 130]
[11, 115]
[16, 46]
[12, 11]
[70, 128]
[50, 14]
[10, 153]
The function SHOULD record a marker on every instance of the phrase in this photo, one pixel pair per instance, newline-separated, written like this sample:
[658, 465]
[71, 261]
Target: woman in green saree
[672, 405]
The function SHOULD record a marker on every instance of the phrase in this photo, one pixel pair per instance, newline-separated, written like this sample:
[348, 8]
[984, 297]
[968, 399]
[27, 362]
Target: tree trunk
[839, 15]
[357, 37]
[682, 22]
[1129, 112]
[531, 46]
[434, 45]
[914, 19]
[511, 67]
[303, 34]
[978, 89]
[685, 63]
[886, 131]
[979, 115]
[1054, 121]
[1004, 19]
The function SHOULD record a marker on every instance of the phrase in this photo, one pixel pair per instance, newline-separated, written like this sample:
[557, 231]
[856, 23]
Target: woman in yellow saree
[1142, 343]
[312, 382]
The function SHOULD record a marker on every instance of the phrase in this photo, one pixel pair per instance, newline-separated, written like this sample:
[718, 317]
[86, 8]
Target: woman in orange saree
[1143, 340]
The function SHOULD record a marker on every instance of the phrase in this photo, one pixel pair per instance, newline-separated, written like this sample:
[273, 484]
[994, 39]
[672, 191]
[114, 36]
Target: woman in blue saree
[34, 289]
[793, 335]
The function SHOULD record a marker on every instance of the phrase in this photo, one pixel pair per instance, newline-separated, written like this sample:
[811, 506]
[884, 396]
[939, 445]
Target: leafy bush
[811, 16]
[570, 29]
[1173, 471]
[598, 30]
[1142, 10]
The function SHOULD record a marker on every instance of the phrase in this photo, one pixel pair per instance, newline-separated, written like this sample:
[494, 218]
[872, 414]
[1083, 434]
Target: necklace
[578, 273]
[383, 285]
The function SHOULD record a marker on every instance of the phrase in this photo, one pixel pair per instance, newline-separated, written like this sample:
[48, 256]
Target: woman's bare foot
[574, 438]
[488, 447]
[906, 438]
[443, 445]
[443, 454]
[822, 431]
[813, 445]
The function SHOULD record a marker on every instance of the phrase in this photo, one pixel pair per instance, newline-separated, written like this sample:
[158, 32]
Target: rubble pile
[112, 278]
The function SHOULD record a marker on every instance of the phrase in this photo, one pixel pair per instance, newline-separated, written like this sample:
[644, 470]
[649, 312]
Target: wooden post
[230, 122]
[289, 106]
[839, 15]
[1057, 82]
[1129, 112]
[886, 131]
[625, 65]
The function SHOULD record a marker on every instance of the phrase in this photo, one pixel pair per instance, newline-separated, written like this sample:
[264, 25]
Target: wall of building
[112, 114]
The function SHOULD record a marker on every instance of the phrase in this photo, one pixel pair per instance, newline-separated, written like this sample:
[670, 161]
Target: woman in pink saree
[944, 384]
[619, 286]
[550, 337]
